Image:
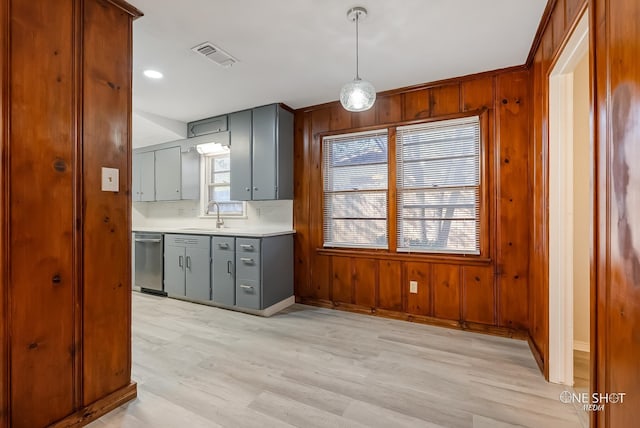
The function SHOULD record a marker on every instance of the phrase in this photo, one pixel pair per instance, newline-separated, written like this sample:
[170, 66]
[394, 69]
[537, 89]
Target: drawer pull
[223, 245]
[246, 246]
[246, 259]
[246, 287]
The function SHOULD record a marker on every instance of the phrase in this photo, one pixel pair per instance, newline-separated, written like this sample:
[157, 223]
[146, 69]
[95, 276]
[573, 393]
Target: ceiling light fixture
[358, 95]
[153, 74]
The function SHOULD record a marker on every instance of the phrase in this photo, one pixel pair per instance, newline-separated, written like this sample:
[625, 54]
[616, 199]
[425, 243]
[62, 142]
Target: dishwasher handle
[155, 241]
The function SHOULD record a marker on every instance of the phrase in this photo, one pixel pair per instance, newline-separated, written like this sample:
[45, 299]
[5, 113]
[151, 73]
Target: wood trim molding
[99, 408]
[420, 319]
[544, 23]
[428, 85]
[536, 354]
[126, 7]
[5, 122]
[407, 257]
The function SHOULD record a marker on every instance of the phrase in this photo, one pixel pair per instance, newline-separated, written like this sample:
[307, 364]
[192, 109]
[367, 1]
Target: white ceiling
[300, 52]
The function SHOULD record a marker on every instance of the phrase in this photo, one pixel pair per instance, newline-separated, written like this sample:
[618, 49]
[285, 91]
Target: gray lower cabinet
[187, 266]
[264, 271]
[223, 276]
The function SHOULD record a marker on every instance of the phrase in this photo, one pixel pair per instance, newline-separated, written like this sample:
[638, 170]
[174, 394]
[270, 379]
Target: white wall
[581, 203]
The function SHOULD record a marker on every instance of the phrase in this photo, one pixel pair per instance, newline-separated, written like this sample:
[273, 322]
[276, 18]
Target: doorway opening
[571, 172]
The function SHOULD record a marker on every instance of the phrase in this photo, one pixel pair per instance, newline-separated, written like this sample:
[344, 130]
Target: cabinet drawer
[248, 293]
[224, 244]
[248, 266]
[248, 245]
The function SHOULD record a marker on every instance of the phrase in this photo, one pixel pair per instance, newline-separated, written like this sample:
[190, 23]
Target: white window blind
[218, 188]
[355, 170]
[438, 184]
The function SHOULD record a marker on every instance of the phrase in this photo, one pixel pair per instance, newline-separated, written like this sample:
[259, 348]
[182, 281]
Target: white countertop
[258, 232]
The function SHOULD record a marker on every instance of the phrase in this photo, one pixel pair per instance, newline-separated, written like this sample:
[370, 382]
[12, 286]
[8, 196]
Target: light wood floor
[581, 382]
[199, 366]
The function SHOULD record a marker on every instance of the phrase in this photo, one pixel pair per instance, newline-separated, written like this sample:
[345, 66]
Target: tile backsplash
[276, 214]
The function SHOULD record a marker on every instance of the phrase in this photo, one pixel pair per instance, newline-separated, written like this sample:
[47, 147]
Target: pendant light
[358, 95]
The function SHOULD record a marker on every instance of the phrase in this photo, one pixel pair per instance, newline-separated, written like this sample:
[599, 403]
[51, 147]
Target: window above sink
[216, 186]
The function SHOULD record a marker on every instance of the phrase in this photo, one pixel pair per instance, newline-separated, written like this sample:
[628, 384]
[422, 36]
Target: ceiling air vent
[215, 54]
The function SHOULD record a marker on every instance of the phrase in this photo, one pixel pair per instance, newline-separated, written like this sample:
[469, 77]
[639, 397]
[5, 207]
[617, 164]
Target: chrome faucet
[219, 221]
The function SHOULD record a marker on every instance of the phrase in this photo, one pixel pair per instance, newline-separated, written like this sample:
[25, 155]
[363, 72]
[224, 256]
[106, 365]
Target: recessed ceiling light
[153, 74]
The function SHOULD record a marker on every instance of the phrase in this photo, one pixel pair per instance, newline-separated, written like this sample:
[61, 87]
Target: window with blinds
[355, 168]
[438, 185]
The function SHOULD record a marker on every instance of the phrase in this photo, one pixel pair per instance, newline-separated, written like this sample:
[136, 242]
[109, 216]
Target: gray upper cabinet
[264, 156]
[208, 126]
[190, 174]
[262, 165]
[240, 130]
[143, 177]
[168, 174]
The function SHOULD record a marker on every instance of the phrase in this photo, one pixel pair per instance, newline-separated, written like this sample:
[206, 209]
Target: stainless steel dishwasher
[148, 263]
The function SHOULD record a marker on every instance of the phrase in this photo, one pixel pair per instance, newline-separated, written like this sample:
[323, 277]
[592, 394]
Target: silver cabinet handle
[188, 262]
[246, 259]
[180, 261]
[255, 188]
[223, 245]
[229, 267]
[246, 246]
[248, 189]
[246, 287]
[155, 241]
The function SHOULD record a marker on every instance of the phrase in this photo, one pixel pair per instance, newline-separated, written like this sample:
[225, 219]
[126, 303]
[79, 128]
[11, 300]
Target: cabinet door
[198, 268]
[174, 270]
[190, 176]
[136, 175]
[168, 174]
[264, 152]
[144, 177]
[224, 283]
[240, 130]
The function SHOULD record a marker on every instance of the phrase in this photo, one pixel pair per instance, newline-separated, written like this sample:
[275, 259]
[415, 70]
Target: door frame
[560, 81]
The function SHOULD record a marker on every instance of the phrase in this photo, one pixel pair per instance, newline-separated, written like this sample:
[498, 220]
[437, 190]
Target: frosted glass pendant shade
[357, 95]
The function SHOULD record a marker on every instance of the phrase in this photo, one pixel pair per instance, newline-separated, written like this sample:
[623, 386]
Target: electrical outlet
[413, 287]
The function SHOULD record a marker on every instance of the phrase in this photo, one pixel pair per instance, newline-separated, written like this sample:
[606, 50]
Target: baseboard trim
[422, 319]
[537, 355]
[579, 345]
[99, 408]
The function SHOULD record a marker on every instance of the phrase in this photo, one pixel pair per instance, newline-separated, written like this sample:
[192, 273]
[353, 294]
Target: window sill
[423, 257]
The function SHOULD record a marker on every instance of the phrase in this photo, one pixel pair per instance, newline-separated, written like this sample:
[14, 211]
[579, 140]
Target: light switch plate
[413, 287]
[110, 179]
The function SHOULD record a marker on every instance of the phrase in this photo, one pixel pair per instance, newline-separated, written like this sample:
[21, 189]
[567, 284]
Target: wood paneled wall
[65, 75]
[615, 296]
[562, 17]
[615, 37]
[488, 294]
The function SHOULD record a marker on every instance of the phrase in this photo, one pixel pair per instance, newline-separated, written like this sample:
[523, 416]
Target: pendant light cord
[357, 58]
